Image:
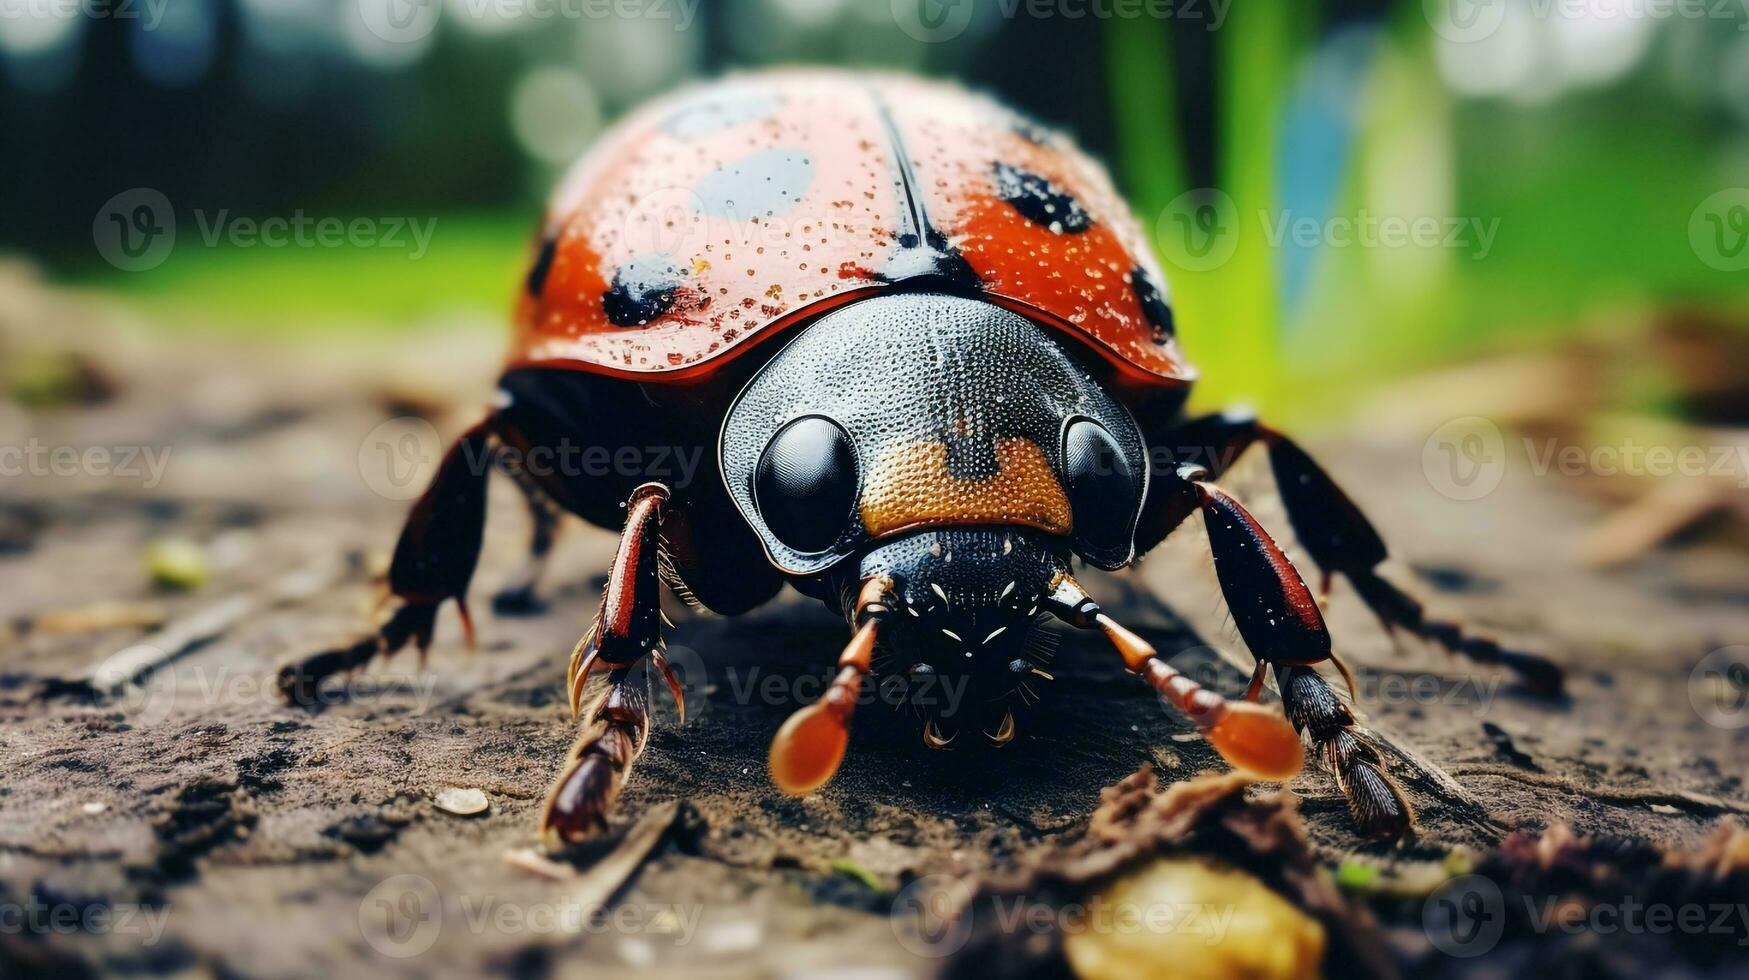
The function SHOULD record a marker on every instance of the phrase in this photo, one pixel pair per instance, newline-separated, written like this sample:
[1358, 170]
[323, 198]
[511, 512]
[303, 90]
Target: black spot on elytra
[1040, 201]
[1154, 305]
[717, 114]
[762, 185]
[543, 264]
[642, 290]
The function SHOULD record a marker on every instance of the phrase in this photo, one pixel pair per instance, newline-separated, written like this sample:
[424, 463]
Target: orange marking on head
[910, 487]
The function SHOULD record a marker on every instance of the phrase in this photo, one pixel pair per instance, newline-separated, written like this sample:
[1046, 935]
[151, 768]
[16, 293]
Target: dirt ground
[192, 824]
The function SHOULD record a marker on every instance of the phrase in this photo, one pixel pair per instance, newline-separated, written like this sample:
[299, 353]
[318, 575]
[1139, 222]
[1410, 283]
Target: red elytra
[717, 218]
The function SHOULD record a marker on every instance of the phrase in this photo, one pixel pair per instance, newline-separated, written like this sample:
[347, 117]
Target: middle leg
[1339, 538]
[520, 595]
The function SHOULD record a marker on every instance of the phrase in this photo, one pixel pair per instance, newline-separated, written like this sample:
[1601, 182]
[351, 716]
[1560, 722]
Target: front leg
[1279, 621]
[1340, 539]
[627, 630]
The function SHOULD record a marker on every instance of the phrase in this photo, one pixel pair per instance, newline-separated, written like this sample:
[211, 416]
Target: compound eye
[805, 484]
[1102, 486]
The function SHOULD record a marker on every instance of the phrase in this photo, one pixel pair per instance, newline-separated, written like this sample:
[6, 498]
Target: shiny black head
[953, 446]
[921, 410]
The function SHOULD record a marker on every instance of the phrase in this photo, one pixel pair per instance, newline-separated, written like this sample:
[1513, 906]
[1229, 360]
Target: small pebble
[733, 937]
[462, 802]
[636, 952]
[95, 808]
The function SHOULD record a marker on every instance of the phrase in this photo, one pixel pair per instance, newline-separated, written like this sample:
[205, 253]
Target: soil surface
[192, 823]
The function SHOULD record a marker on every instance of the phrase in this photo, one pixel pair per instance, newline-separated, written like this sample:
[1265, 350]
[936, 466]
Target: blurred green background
[1576, 162]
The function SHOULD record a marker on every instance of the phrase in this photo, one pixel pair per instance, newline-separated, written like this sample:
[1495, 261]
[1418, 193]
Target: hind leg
[1340, 539]
[434, 562]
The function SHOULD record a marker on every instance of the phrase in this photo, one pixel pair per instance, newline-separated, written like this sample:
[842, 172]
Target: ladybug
[925, 360]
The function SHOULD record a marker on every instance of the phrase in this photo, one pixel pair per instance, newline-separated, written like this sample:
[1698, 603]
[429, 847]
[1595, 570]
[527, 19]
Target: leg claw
[584, 659]
[667, 670]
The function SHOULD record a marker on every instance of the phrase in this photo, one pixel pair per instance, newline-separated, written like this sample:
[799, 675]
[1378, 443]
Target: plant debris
[851, 869]
[598, 875]
[177, 564]
[1209, 818]
[1196, 921]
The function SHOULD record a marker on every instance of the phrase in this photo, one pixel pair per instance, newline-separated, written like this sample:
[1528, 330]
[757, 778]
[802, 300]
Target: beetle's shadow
[1093, 725]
